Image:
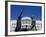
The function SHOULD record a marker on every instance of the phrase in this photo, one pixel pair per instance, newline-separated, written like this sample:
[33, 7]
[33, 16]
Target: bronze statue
[33, 23]
[18, 27]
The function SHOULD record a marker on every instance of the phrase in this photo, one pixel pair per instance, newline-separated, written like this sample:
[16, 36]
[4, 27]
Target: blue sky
[28, 11]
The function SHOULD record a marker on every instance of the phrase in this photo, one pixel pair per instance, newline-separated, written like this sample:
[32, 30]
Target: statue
[18, 27]
[33, 23]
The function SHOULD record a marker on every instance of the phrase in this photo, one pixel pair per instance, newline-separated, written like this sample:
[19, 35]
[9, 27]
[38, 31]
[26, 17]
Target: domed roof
[26, 18]
[26, 21]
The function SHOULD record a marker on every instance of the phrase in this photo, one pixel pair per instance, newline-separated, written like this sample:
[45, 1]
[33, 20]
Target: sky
[27, 11]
